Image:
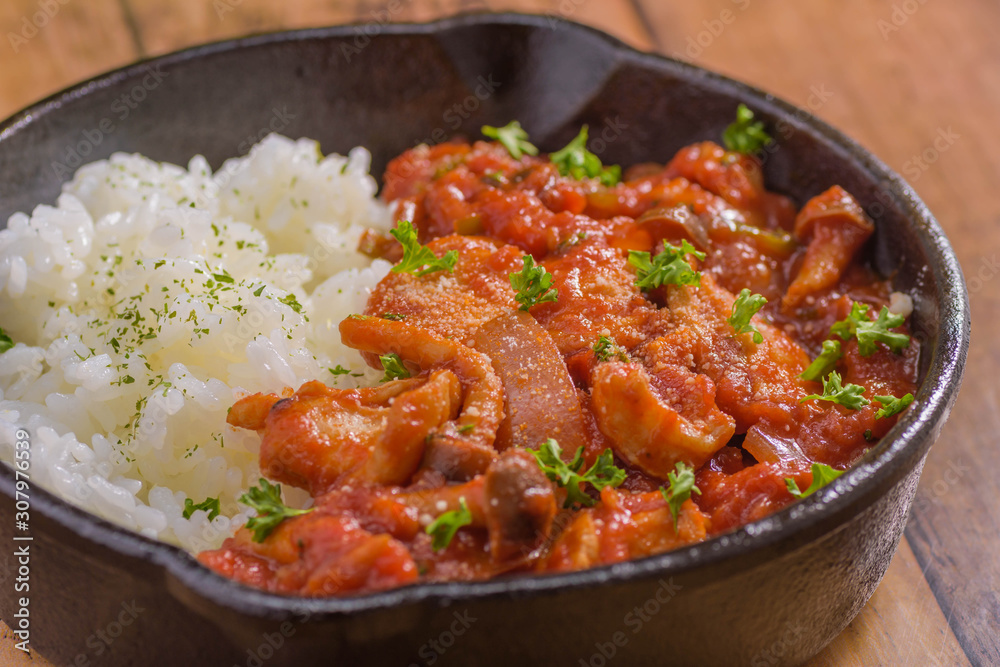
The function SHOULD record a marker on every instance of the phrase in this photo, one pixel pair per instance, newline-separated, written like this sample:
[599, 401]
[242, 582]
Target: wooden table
[917, 82]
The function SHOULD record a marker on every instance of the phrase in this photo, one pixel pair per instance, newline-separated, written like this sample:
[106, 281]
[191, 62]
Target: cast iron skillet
[773, 592]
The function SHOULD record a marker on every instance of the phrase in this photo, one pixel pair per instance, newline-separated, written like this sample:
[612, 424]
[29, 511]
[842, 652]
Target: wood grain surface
[917, 82]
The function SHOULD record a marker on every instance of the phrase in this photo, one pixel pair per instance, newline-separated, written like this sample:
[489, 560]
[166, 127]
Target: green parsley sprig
[271, 511]
[825, 362]
[210, 505]
[533, 285]
[680, 487]
[860, 325]
[822, 475]
[891, 405]
[443, 528]
[850, 395]
[418, 259]
[340, 370]
[668, 267]
[607, 349]
[575, 160]
[513, 137]
[744, 308]
[6, 342]
[393, 367]
[745, 135]
[567, 475]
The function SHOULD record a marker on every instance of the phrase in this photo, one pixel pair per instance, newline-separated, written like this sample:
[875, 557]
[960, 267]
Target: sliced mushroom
[514, 501]
[673, 223]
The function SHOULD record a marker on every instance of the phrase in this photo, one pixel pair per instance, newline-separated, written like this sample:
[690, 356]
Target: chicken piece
[322, 437]
[735, 177]
[625, 525]
[597, 295]
[752, 380]
[325, 552]
[654, 424]
[835, 227]
[452, 304]
[460, 448]
[749, 494]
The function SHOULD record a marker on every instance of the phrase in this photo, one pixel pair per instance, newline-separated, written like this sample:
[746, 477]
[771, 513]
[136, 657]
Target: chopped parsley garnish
[745, 135]
[210, 505]
[825, 362]
[418, 259]
[849, 396]
[681, 486]
[860, 325]
[290, 301]
[393, 367]
[495, 177]
[443, 529]
[513, 137]
[575, 160]
[6, 342]
[339, 370]
[822, 475]
[607, 349]
[271, 511]
[533, 285]
[891, 405]
[667, 268]
[745, 307]
[570, 241]
[567, 475]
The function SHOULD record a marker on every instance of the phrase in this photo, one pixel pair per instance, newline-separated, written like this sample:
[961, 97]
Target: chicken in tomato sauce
[582, 366]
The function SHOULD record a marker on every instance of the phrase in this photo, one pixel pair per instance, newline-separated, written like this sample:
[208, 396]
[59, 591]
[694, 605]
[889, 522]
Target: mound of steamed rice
[153, 297]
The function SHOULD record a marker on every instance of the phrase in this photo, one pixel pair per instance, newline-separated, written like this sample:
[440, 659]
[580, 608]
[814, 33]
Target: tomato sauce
[650, 380]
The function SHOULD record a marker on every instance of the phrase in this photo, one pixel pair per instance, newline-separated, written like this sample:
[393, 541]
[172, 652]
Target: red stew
[659, 377]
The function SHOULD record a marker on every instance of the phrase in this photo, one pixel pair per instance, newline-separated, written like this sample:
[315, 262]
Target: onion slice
[542, 401]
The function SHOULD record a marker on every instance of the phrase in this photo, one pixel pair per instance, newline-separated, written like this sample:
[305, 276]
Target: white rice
[153, 297]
